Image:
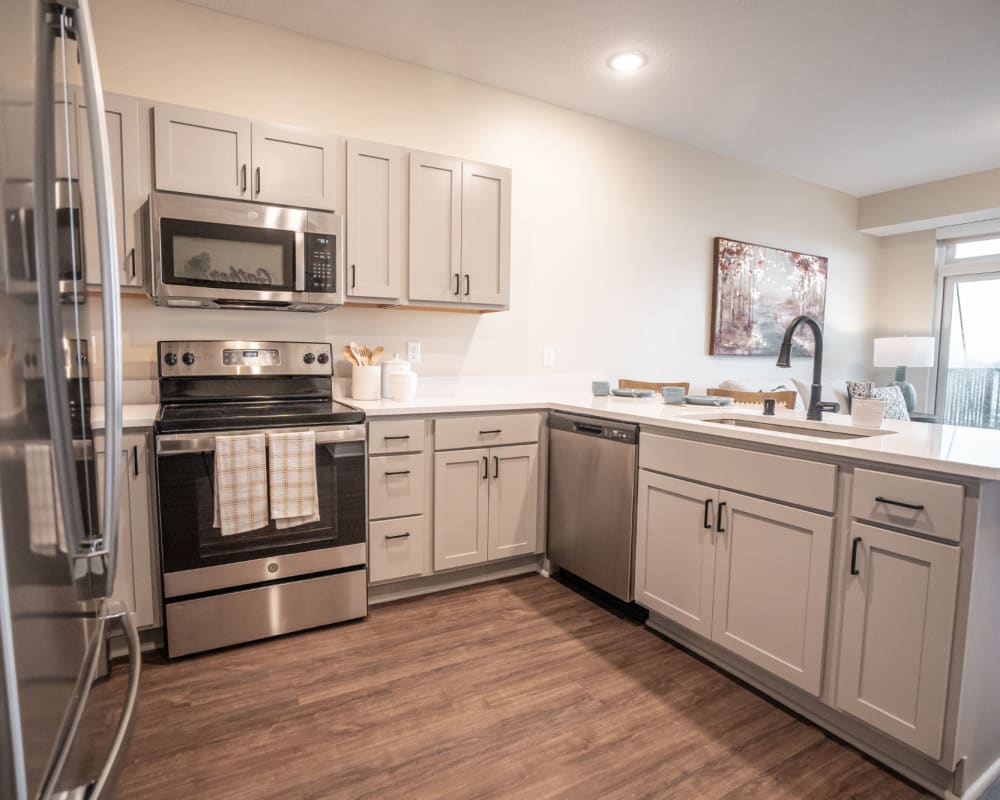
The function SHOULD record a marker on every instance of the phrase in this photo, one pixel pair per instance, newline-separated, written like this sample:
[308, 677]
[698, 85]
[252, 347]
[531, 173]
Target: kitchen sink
[800, 428]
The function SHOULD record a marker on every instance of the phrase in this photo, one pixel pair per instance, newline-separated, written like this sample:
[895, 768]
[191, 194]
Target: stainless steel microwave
[212, 253]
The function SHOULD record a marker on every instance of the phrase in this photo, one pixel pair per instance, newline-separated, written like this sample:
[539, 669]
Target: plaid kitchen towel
[292, 476]
[46, 534]
[240, 483]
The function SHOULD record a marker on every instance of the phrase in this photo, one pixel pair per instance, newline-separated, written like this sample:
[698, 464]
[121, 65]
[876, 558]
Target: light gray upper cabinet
[374, 220]
[128, 184]
[435, 228]
[772, 578]
[201, 152]
[459, 232]
[293, 166]
[485, 234]
[896, 641]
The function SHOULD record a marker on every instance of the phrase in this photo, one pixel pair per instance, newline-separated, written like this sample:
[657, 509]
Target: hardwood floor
[517, 689]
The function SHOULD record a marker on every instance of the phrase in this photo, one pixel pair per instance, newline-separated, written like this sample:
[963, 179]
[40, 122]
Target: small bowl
[672, 395]
[600, 388]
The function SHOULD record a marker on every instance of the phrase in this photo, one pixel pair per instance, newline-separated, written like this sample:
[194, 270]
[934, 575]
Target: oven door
[196, 558]
[226, 252]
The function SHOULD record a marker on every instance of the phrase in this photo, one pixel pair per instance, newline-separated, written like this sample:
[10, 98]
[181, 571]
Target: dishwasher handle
[585, 427]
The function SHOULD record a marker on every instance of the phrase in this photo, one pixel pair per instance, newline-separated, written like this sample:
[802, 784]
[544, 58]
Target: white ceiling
[859, 95]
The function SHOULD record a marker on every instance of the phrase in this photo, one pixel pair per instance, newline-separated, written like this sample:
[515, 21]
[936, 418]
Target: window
[968, 380]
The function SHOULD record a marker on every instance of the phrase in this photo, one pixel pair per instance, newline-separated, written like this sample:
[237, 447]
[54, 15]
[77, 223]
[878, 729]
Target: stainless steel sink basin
[811, 429]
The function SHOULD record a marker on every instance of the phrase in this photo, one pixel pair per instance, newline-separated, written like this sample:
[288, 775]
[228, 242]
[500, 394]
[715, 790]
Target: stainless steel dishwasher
[592, 479]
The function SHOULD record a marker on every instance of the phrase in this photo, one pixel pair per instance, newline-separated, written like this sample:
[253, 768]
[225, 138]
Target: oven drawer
[395, 486]
[486, 431]
[395, 436]
[396, 548]
[205, 623]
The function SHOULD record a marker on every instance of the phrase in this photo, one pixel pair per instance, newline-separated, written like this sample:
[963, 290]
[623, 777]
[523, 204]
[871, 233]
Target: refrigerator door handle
[113, 612]
[111, 288]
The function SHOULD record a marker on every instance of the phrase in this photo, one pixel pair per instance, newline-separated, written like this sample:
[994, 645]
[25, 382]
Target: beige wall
[612, 228]
[906, 289]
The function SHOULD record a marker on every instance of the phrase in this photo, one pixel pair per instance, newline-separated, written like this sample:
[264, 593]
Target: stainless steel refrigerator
[59, 737]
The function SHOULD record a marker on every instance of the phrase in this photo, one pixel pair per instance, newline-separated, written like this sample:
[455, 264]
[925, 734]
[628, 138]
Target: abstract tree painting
[758, 291]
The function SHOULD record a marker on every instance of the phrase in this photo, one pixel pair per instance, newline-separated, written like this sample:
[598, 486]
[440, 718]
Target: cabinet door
[435, 228]
[772, 576]
[485, 234]
[201, 152]
[374, 186]
[294, 166]
[895, 651]
[135, 579]
[461, 508]
[17, 136]
[513, 525]
[122, 117]
[675, 550]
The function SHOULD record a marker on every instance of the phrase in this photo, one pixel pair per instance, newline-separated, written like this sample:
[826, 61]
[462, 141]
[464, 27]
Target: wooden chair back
[625, 383]
[757, 398]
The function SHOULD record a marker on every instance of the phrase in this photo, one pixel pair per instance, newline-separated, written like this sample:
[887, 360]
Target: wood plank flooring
[517, 689]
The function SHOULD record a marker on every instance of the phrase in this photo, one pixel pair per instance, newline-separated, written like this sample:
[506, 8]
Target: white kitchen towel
[292, 476]
[46, 534]
[240, 483]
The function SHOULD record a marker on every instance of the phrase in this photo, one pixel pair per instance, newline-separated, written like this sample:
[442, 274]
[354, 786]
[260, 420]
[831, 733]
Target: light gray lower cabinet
[485, 504]
[750, 574]
[896, 642]
[135, 582]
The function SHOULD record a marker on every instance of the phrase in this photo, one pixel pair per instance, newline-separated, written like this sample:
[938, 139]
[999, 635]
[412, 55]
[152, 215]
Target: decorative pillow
[862, 390]
[895, 404]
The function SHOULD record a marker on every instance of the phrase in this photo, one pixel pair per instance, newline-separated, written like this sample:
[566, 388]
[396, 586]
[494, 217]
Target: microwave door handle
[111, 287]
[300, 261]
[47, 31]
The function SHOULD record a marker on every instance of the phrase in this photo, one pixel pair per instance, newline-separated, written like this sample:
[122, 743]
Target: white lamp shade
[904, 351]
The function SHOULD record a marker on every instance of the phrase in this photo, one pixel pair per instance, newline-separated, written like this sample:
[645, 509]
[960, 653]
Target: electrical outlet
[413, 352]
[548, 356]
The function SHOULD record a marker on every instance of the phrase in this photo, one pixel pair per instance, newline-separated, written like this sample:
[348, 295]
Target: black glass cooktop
[183, 417]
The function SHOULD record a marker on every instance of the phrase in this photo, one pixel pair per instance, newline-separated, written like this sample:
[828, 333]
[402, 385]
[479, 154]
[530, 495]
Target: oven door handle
[173, 444]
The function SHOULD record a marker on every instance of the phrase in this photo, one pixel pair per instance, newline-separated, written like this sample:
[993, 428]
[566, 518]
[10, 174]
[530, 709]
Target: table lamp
[902, 352]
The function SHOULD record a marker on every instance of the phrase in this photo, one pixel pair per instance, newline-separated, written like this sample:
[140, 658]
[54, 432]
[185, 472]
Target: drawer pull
[391, 438]
[399, 536]
[854, 555]
[900, 503]
[489, 433]
[707, 519]
[397, 472]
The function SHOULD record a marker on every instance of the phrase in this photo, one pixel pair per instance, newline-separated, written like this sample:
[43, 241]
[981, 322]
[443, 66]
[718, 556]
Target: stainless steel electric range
[223, 590]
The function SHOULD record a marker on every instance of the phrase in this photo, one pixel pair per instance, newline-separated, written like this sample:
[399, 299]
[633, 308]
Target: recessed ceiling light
[627, 62]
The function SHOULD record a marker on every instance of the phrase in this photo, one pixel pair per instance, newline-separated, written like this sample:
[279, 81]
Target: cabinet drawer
[395, 486]
[919, 505]
[395, 548]
[489, 431]
[396, 436]
[791, 480]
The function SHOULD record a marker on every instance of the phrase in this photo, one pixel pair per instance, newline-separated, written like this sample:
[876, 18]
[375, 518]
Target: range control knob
[309, 358]
[170, 359]
[322, 358]
[188, 358]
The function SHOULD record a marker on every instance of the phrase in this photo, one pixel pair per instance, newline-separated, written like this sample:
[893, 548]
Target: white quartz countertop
[963, 452]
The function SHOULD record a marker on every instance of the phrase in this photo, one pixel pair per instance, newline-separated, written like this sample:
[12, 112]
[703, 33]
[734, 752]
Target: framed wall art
[757, 291]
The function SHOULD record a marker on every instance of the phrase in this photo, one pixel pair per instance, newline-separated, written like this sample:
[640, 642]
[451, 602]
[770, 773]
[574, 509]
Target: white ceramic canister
[366, 382]
[403, 386]
[393, 366]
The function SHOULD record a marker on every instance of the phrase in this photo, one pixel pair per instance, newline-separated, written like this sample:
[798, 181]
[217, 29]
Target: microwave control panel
[321, 262]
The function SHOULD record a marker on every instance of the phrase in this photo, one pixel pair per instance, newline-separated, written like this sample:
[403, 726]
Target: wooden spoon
[377, 354]
[349, 355]
[357, 350]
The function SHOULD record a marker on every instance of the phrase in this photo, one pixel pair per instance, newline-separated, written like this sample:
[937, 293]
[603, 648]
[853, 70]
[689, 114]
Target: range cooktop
[185, 417]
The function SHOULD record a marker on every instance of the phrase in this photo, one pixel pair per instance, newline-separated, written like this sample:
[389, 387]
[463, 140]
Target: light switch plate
[413, 352]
